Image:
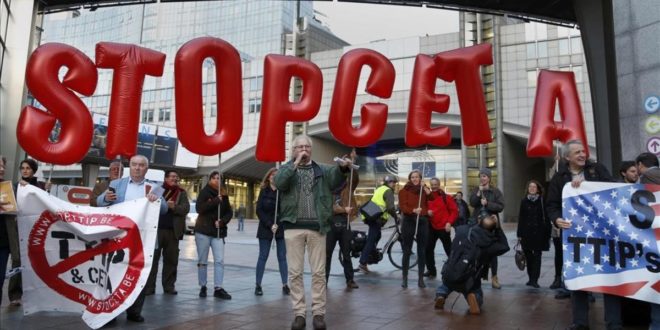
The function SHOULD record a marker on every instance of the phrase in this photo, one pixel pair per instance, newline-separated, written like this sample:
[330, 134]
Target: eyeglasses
[303, 147]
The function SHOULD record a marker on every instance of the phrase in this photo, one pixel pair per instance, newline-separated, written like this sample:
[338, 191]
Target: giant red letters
[373, 115]
[462, 65]
[277, 110]
[34, 125]
[188, 89]
[553, 85]
[130, 63]
[424, 101]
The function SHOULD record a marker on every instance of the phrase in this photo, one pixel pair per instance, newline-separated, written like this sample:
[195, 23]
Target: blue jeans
[264, 251]
[373, 236]
[444, 291]
[655, 316]
[203, 242]
[241, 224]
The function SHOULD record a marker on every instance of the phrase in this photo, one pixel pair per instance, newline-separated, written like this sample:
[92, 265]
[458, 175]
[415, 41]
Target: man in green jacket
[305, 189]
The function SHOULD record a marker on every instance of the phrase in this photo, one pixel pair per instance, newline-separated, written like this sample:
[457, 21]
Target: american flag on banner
[612, 245]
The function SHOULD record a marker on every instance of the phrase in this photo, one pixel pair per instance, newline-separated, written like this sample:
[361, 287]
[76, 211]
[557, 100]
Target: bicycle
[393, 247]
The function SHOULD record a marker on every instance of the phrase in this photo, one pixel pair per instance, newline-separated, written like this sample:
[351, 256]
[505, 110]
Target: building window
[214, 110]
[531, 50]
[578, 73]
[164, 114]
[576, 45]
[148, 115]
[255, 105]
[531, 78]
[542, 49]
[563, 47]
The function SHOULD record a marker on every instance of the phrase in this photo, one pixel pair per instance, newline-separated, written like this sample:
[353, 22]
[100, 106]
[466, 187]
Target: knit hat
[486, 171]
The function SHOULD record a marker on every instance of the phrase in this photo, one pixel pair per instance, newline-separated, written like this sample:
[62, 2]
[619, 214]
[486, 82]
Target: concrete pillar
[637, 40]
[595, 19]
[250, 204]
[20, 28]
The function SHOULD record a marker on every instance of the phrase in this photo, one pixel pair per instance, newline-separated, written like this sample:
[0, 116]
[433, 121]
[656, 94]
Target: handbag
[521, 261]
[370, 211]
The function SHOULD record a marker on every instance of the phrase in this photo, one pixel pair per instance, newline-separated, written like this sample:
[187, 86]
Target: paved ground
[379, 303]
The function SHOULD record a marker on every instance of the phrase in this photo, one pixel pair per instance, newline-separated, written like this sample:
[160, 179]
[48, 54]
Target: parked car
[191, 219]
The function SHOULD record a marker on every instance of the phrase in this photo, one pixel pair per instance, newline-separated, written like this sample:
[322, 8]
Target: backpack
[461, 269]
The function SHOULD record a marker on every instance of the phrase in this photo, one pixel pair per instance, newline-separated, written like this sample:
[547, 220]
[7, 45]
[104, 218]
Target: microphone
[341, 162]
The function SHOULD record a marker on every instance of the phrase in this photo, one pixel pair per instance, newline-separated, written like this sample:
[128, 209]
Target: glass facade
[4, 23]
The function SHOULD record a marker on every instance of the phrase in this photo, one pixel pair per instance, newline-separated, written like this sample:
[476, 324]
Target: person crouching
[472, 249]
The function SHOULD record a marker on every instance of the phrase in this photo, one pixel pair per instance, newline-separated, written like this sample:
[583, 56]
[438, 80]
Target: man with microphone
[305, 212]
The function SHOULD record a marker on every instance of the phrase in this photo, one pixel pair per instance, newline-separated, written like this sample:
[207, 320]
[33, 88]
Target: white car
[191, 219]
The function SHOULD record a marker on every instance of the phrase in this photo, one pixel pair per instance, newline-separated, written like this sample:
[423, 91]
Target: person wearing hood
[214, 213]
[171, 226]
[473, 244]
[488, 198]
[412, 207]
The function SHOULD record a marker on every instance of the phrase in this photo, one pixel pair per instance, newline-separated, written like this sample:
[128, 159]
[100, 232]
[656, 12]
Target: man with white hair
[305, 189]
[576, 168]
[133, 187]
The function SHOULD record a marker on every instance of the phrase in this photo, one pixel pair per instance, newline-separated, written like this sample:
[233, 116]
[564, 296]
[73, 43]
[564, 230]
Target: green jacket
[326, 179]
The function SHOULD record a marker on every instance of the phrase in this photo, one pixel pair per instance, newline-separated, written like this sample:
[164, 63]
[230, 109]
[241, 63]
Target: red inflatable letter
[131, 63]
[423, 101]
[553, 85]
[462, 65]
[374, 115]
[277, 110]
[34, 125]
[188, 89]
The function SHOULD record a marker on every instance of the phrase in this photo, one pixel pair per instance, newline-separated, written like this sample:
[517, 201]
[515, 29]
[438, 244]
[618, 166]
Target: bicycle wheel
[395, 253]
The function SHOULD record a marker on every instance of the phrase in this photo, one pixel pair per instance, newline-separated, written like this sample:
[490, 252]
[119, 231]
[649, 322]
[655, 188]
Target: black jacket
[207, 209]
[592, 172]
[533, 226]
[492, 243]
[266, 214]
[463, 213]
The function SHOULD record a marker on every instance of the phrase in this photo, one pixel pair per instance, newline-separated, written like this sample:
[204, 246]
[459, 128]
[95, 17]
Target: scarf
[533, 197]
[171, 192]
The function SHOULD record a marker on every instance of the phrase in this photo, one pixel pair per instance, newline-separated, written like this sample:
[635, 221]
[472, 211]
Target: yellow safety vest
[379, 199]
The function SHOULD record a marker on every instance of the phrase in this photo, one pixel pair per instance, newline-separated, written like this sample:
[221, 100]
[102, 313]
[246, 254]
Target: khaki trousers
[296, 242]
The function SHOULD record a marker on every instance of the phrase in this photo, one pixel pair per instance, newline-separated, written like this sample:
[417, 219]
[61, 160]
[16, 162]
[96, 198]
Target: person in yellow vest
[384, 198]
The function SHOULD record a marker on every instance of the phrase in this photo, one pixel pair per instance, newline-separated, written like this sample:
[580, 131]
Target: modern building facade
[520, 50]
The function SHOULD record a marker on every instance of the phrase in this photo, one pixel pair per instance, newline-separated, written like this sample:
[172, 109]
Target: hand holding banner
[84, 259]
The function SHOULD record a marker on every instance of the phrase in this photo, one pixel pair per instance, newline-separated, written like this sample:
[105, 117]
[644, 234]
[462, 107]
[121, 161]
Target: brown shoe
[495, 283]
[473, 303]
[351, 285]
[318, 322]
[440, 302]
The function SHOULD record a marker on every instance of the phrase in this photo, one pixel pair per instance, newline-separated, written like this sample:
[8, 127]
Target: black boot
[404, 283]
[556, 284]
[420, 282]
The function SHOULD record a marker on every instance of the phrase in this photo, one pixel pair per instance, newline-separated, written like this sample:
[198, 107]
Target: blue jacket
[120, 189]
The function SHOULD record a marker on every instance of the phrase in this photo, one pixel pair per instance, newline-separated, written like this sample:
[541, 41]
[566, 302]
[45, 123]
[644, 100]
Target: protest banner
[612, 245]
[84, 259]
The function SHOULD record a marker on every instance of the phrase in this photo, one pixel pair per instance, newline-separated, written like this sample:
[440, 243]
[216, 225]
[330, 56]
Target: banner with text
[612, 245]
[84, 259]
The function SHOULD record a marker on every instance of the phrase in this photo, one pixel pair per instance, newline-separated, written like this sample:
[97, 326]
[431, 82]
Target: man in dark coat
[577, 170]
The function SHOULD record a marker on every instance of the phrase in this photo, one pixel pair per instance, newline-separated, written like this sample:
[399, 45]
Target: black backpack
[461, 269]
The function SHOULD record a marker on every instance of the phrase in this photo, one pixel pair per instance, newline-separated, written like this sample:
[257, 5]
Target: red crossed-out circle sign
[49, 274]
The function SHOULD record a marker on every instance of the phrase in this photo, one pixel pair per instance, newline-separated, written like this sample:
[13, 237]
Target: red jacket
[442, 213]
[409, 199]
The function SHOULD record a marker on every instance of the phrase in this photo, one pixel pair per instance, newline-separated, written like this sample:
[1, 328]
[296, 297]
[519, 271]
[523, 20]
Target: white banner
[76, 258]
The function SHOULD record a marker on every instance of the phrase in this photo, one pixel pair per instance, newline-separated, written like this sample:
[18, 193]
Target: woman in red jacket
[409, 203]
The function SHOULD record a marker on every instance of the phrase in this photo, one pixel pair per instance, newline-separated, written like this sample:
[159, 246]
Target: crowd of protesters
[307, 207]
